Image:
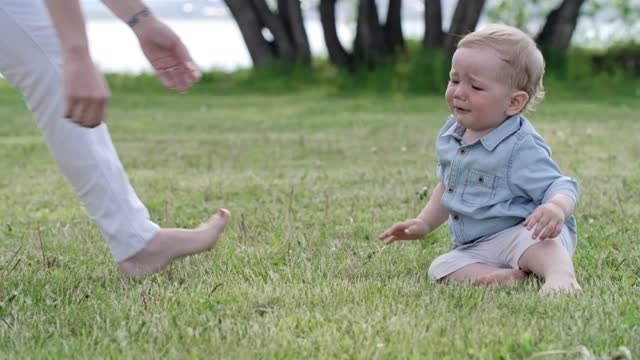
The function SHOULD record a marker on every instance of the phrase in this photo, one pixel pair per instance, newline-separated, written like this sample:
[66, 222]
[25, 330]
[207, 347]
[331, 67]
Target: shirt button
[456, 217]
[462, 151]
[450, 189]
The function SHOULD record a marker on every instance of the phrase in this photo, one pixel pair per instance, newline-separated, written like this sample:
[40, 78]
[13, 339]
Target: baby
[508, 206]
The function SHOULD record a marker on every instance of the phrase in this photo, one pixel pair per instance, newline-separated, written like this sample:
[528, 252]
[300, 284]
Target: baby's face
[478, 93]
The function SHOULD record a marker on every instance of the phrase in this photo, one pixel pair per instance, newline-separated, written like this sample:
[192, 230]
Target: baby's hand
[548, 220]
[412, 229]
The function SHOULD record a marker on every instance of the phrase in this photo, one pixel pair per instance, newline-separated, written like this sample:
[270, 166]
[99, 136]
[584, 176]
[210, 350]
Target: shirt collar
[495, 137]
[492, 139]
[457, 130]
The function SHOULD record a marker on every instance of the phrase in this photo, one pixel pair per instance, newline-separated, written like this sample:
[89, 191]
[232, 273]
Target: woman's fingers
[176, 74]
[97, 114]
[87, 112]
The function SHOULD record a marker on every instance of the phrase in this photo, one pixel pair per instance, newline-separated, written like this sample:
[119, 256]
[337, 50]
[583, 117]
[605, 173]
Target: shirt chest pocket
[479, 188]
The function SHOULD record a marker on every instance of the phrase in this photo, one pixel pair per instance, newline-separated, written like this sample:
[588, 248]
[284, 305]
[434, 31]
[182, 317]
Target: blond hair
[519, 51]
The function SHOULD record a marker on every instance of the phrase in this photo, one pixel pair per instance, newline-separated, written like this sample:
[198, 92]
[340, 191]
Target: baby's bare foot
[502, 277]
[560, 285]
[171, 244]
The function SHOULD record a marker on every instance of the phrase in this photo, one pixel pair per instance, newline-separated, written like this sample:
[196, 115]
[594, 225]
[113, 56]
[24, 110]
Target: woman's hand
[167, 54]
[86, 90]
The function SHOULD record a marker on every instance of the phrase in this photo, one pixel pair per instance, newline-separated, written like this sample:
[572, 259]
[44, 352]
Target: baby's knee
[442, 266]
[432, 274]
[435, 269]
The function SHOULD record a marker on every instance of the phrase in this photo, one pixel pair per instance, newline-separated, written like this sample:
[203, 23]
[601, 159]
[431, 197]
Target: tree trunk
[433, 35]
[393, 26]
[556, 34]
[373, 42]
[369, 45]
[274, 24]
[465, 19]
[289, 43]
[250, 26]
[291, 14]
[337, 54]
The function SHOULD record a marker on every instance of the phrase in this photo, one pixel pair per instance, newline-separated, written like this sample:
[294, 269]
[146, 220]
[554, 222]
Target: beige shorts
[502, 250]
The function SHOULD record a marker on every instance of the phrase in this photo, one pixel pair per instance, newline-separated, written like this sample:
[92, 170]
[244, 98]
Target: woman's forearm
[129, 11]
[68, 20]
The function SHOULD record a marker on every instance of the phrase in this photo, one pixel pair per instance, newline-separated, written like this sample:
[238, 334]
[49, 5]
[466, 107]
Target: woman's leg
[31, 60]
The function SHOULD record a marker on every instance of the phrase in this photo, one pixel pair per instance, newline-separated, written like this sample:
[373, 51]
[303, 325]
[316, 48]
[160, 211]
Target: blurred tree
[554, 21]
[337, 54]
[465, 19]
[525, 15]
[622, 14]
[271, 36]
[433, 34]
[393, 26]
[370, 44]
[373, 42]
[555, 36]
[274, 30]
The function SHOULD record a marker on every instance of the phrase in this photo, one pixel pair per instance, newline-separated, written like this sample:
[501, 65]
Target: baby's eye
[454, 81]
[476, 88]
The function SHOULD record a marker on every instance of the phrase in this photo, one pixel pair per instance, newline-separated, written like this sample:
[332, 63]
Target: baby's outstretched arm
[432, 216]
[548, 218]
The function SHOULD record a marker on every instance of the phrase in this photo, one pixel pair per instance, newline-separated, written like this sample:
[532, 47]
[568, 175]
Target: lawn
[310, 180]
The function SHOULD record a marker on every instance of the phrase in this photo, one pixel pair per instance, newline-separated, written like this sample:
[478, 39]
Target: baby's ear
[518, 101]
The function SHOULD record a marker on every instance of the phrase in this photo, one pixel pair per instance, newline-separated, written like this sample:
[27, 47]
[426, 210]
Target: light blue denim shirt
[497, 181]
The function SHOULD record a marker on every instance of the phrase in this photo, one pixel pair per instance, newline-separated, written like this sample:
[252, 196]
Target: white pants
[31, 60]
[501, 250]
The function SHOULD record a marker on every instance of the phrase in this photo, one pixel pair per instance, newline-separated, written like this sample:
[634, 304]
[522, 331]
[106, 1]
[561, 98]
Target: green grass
[311, 179]
[414, 72]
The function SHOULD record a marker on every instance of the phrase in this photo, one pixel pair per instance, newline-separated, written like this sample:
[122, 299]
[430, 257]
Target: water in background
[215, 41]
[214, 44]
[212, 35]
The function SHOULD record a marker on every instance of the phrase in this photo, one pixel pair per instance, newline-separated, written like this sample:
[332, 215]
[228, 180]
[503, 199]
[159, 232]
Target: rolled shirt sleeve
[535, 175]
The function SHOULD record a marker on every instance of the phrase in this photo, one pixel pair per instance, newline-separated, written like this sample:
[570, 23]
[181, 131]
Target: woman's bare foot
[560, 285]
[502, 277]
[171, 244]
